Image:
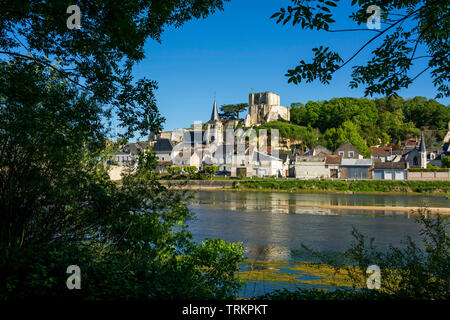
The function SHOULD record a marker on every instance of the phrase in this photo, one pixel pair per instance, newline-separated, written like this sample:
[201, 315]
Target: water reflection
[273, 226]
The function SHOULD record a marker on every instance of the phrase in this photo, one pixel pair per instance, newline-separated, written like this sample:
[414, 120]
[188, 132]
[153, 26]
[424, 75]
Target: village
[209, 144]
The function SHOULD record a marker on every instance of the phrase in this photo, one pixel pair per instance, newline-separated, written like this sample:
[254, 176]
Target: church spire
[215, 113]
[422, 144]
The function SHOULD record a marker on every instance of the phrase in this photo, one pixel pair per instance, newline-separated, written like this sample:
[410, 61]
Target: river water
[273, 226]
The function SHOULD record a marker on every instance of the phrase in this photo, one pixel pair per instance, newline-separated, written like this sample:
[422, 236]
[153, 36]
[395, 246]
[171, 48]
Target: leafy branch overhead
[100, 55]
[407, 28]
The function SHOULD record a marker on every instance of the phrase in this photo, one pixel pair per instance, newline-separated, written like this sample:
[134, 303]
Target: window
[351, 154]
[341, 153]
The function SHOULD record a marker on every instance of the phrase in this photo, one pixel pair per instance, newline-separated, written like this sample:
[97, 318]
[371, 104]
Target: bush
[190, 170]
[174, 170]
[211, 170]
[446, 162]
[39, 271]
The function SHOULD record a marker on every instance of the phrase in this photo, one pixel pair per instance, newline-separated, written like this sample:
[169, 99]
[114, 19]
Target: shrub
[211, 170]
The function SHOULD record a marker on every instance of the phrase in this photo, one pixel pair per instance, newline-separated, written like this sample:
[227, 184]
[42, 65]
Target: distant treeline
[364, 122]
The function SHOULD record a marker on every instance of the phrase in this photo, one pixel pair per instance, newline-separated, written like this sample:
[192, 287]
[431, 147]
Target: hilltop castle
[265, 107]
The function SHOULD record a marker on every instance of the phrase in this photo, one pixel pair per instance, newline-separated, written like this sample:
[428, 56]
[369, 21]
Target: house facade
[310, 167]
[348, 151]
[390, 170]
[356, 169]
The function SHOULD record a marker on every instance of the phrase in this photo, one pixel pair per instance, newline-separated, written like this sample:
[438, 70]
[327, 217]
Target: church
[417, 158]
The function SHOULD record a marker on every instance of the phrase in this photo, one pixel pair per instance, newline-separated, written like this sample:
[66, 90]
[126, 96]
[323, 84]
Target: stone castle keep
[264, 107]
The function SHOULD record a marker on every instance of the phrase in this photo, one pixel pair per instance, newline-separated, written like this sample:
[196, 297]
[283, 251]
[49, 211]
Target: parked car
[223, 173]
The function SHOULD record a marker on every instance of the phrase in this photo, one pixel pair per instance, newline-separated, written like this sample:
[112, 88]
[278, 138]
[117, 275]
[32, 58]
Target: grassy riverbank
[342, 186]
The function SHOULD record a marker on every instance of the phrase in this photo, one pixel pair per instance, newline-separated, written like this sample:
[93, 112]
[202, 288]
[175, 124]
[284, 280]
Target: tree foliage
[291, 131]
[233, 110]
[408, 27]
[378, 122]
[446, 162]
[58, 206]
[99, 56]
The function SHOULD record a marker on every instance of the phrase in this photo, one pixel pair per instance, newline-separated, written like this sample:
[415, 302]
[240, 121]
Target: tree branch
[47, 64]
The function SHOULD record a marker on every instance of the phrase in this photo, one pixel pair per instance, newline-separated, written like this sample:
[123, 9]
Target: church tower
[423, 153]
[214, 130]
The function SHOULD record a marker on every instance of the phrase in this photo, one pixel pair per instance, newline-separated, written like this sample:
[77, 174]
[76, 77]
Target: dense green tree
[349, 131]
[291, 131]
[379, 121]
[58, 206]
[99, 56]
[446, 162]
[407, 28]
[233, 110]
[426, 112]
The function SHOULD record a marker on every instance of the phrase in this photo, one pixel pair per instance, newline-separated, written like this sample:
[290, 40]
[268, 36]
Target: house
[410, 144]
[133, 148]
[255, 163]
[310, 167]
[318, 151]
[186, 157]
[390, 170]
[220, 156]
[381, 154]
[348, 151]
[444, 152]
[123, 159]
[285, 161]
[333, 163]
[163, 149]
[356, 168]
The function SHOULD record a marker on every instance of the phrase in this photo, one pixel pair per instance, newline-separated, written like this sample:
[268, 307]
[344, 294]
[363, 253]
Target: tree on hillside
[426, 112]
[233, 110]
[349, 131]
[407, 27]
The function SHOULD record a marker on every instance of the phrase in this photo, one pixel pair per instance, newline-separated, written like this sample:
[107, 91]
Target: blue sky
[240, 48]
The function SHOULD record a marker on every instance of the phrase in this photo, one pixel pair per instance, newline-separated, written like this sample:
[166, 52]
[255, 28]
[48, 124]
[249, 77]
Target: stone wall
[426, 175]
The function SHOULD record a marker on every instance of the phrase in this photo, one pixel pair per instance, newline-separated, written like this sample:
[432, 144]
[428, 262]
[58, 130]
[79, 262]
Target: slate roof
[400, 165]
[422, 144]
[163, 145]
[258, 156]
[215, 113]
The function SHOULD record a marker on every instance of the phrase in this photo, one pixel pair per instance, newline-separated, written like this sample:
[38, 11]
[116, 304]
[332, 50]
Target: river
[272, 227]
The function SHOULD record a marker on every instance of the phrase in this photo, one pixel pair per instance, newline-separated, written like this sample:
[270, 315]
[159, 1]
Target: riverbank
[412, 187]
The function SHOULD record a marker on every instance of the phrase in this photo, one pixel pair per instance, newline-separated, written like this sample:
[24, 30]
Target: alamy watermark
[74, 20]
[374, 280]
[374, 21]
[215, 145]
[74, 280]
